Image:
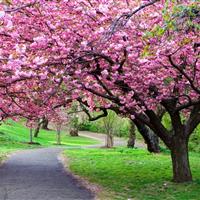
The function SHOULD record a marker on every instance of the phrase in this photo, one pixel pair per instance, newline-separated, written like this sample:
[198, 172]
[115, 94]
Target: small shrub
[194, 144]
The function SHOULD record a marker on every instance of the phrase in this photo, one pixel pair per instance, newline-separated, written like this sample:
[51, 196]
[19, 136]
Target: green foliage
[194, 144]
[174, 17]
[133, 174]
[92, 126]
[120, 129]
[74, 122]
[167, 122]
[74, 118]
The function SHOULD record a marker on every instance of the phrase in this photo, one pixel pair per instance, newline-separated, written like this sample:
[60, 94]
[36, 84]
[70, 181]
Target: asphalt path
[38, 175]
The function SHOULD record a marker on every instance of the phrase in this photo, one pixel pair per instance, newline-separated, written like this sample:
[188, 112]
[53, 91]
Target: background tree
[31, 124]
[59, 118]
[109, 125]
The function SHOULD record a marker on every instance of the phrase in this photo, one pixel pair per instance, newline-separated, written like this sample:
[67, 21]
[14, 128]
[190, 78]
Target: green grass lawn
[14, 136]
[133, 174]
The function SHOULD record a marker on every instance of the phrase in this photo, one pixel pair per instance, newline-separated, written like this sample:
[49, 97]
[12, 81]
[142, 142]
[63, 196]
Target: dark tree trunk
[132, 136]
[150, 138]
[45, 124]
[180, 161]
[31, 136]
[37, 130]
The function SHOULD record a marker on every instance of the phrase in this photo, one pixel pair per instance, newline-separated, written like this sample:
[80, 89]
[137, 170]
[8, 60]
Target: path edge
[97, 190]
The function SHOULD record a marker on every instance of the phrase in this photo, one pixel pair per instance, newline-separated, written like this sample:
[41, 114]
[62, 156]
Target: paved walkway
[38, 175]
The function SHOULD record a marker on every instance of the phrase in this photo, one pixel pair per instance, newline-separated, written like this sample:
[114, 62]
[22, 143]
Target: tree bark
[45, 124]
[31, 136]
[180, 161]
[132, 136]
[58, 137]
[109, 140]
[150, 138]
[37, 130]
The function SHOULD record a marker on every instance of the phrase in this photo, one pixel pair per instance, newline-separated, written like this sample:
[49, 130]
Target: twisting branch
[122, 20]
[20, 7]
[187, 105]
[184, 74]
[104, 114]
[103, 85]
[189, 100]
[96, 55]
[84, 104]
[111, 98]
[63, 104]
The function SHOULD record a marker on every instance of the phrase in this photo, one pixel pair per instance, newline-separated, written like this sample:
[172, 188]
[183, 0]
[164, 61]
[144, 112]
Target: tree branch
[122, 20]
[20, 7]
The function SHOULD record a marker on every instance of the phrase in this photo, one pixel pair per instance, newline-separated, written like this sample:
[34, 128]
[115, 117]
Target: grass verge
[133, 174]
[14, 136]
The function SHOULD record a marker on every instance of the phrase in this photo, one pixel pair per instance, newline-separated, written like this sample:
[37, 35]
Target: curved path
[38, 175]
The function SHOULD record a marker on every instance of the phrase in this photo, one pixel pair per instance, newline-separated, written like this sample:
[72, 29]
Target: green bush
[121, 128]
[194, 144]
[91, 126]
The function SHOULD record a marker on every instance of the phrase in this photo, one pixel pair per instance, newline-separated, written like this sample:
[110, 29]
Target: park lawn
[133, 174]
[14, 136]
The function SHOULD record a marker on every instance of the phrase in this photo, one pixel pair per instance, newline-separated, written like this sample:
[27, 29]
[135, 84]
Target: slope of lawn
[14, 136]
[133, 174]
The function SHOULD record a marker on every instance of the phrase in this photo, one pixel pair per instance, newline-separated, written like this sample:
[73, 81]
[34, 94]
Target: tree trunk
[58, 137]
[31, 136]
[45, 124]
[132, 136]
[150, 138]
[109, 140]
[180, 161]
[37, 130]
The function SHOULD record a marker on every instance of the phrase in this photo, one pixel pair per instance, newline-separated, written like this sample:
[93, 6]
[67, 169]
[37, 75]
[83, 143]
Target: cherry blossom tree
[59, 118]
[133, 57]
[150, 61]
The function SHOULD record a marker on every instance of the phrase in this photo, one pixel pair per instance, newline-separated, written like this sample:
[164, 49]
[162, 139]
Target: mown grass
[133, 174]
[14, 136]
